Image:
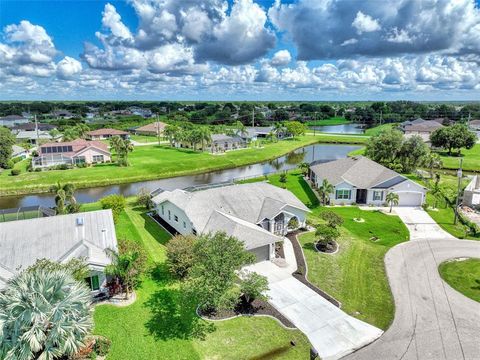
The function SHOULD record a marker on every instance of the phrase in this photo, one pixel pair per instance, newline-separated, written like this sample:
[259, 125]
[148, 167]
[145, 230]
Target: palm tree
[433, 161]
[392, 199]
[304, 168]
[325, 189]
[171, 132]
[116, 143]
[125, 146]
[277, 127]
[241, 129]
[44, 315]
[64, 197]
[206, 136]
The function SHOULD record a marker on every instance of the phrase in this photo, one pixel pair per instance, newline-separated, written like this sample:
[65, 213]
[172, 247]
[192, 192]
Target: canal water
[340, 129]
[318, 152]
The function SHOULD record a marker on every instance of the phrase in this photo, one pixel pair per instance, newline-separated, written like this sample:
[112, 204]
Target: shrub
[116, 203]
[326, 234]
[9, 164]
[333, 219]
[180, 254]
[144, 199]
[102, 345]
[15, 172]
[253, 286]
[38, 169]
[62, 167]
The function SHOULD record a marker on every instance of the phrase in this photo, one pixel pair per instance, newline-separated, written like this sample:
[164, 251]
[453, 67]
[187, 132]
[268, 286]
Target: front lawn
[355, 275]
[162, 325]
[463, 276]
[148, 163]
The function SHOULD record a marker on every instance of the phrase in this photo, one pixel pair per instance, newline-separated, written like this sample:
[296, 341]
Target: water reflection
[307, 154]
[340, 129]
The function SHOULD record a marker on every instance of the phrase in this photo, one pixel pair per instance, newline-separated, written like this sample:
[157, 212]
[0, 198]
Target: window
[175, 217]
[184, 225]
[377, 195]
[343, 194]
[163, 210]
[169, 215]
[97, 158]
[194, 232]
[93, 282]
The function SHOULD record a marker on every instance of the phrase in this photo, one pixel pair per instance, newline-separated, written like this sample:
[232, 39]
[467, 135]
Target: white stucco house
[258, 214]
[59, 238]
[471, 194]
[359, 180]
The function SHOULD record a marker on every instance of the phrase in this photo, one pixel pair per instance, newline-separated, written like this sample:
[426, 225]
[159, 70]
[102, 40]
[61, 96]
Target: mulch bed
[257, 307]
[331, 247]
[300, 275]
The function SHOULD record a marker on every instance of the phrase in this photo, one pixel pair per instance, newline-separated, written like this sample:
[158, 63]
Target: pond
[340, 129]
[318, 152]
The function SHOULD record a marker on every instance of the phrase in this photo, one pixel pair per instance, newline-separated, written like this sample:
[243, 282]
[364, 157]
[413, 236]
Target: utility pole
[457, 202]
[157, 124]
[36, 128]
[253, 116]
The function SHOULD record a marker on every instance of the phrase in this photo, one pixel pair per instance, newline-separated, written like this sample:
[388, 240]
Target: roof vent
[79, 221]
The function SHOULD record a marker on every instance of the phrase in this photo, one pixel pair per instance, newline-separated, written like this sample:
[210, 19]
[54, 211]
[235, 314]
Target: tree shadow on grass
[314, 202]
[173, 314]
[155, 230]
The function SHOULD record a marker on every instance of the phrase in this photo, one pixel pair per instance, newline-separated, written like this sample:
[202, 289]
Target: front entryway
[361, 196]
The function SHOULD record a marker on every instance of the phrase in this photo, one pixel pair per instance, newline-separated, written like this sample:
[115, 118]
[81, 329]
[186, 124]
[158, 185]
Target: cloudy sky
[240, 49]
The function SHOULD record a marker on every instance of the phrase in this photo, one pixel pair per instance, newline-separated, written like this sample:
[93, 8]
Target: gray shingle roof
[247, 202]
[57, 238]
[358, 171]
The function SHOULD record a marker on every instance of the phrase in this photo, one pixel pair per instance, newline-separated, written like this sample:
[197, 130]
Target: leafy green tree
[115, 202]
[326, 234]
[124, 148]
[144, 198]
[295, 128]
[115, 143]
[392, 199]
[78, 268]
[384, 147]
[7, 140]
[253, 286]
[65, 201]
[457, 136]
[171, 133]
[128, 264]
[325, 189]
[43, 315]
[333, 219]
[433, 161]
[217, 257]
[180, 256]
[304, 168]
[413, 153]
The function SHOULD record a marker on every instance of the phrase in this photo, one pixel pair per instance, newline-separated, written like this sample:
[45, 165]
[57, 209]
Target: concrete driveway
[420, 224]
[432, 320]
[331, 332]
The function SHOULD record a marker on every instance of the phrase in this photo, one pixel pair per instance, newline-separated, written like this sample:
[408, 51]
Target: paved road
[330, 330]
[432, 321]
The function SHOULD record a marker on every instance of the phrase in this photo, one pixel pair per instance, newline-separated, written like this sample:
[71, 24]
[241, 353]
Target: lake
[318, 152]
[340, 129]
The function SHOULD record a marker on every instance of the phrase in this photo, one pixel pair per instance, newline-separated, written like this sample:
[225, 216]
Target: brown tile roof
[153, 127]
[100, 132]
[77, 146]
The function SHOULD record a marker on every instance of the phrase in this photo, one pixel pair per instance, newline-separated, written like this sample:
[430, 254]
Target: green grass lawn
[148, 163]
[463, 276]
[377, 129]
[161, 324]
[471, 159]
[339, 139]
[355, 275]
[144, 138]
[339, 120]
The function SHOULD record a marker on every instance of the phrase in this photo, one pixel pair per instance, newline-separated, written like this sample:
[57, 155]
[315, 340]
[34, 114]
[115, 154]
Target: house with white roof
[258, 214]
[58, 238]
[359, 180]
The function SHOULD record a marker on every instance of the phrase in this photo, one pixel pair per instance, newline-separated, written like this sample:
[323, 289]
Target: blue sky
[241, 50]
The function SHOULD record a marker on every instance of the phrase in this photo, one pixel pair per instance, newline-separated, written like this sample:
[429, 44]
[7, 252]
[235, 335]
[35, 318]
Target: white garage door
[409, 198]
[262, 253]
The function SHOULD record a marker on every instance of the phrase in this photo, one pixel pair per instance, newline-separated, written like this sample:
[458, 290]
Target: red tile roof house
[71, 153]
[154, 129]
[102, 134]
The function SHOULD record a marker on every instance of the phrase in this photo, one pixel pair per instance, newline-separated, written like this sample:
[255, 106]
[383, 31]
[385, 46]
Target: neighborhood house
[71, 153]
[359, 180]
[420, 127]
[154, 129]
[471, 194]
[12, 120]
[59, 238]
[258, 214]
[103, 134]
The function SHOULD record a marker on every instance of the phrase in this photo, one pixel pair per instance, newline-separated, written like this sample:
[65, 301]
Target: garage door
[409, 198]
[262, 253]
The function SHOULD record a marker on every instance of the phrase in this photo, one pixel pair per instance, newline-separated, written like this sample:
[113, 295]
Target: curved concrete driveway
[432, 320]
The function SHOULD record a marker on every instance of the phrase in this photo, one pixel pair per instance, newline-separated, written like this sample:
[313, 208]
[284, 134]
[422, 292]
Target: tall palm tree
[433, 161]
[125, 147]
[304, 168]
[277, 128]
[206, 136]
[43, 315]
[325, 189]
[116, 143]
[171, 132]
[64, 197]
[392, 199]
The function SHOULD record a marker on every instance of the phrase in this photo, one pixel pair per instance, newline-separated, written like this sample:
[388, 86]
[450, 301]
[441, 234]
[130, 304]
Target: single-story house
[474, 125]
[420, 127]
[36, 137]
[71, 153]
[471, 194]
[62, 114]
[222, 143]
[58, 238]
[262, 132]
[102, 134]
[18, 151]
[154, 129]
[258, 214]
[32, 127]
[359, 180]
[12, 120]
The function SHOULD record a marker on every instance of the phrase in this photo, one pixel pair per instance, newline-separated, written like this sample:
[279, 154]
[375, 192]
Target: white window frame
[169, 215]
[95, 158]
[346, 194]
[163, 210]
[377, 195]
[175, 217]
